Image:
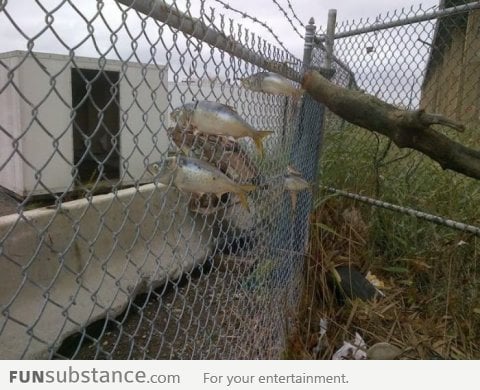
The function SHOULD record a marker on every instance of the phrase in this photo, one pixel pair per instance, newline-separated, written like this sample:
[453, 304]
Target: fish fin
[258, 139]
[247, 187]
[244, 188]
[231, 108]
[243, 199]
[293, 171]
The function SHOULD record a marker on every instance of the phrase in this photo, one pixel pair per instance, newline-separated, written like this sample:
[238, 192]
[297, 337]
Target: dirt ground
[8, 205]
[209, 314]
[228, 308]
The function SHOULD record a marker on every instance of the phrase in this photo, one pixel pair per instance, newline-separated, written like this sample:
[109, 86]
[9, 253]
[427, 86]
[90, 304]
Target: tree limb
[407, 129]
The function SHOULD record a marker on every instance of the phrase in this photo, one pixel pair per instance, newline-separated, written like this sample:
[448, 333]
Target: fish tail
[244, 188]
[296, 96]
[247, 187]
[243, 200]
[258, 139]
[299, 92]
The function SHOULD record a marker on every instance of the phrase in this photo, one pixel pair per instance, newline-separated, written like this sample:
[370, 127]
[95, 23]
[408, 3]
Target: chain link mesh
[97, 260]
[100, 261]
[420, 223]
[433, 65]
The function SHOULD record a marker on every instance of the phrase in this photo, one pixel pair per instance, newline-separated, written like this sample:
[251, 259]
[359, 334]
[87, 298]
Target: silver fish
[293, 171]
[295, 184]
[227, 155]
[217, 119]
[192, 175]
[208, 204]
[272, 83]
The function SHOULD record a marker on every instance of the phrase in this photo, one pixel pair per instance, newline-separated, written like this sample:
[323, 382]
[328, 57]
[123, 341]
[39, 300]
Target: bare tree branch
[407, 129]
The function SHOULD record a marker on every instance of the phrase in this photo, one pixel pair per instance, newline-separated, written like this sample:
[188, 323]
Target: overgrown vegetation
[431, 273]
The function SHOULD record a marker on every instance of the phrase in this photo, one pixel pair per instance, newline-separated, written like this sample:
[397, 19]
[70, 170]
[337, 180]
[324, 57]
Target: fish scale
[225, 154]
[217, 119]
[273, 83]
[196, 176]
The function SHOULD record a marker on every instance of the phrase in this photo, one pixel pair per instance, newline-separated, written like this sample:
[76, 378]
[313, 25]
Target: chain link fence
[423, 222]
[99, 259]
[414, 59]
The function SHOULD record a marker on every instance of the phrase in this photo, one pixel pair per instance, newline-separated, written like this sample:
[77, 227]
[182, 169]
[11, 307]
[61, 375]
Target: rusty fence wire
[99, 259]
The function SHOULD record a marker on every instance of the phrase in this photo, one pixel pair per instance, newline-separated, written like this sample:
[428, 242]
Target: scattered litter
[353, 283]
[322, 341]
[352, 351]
[377, 283]
[323, 327]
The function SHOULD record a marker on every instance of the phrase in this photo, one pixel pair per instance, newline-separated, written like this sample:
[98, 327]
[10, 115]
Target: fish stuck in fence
[227, 155]
[291, 170]
[196, 176]
[295, 183]
[207, 204]
[272, 83]
[217, 119]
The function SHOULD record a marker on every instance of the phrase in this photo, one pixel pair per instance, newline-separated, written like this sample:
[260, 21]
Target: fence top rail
[170, 15]
[439, 13]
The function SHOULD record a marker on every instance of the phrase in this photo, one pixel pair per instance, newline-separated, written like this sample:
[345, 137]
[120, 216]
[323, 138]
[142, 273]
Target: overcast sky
[347, 10]
[56, 26]
[71, 28]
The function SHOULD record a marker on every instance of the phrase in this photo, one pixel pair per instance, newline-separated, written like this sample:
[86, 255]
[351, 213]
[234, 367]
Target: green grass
[433, 271]
[359, 161]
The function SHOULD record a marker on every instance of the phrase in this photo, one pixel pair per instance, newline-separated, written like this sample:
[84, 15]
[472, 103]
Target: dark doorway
[96, 138]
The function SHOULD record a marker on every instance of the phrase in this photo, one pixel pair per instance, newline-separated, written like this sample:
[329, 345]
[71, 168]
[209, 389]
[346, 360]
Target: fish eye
[155, 166]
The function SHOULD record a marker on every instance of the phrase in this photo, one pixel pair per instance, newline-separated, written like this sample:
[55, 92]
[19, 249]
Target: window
[96, 138]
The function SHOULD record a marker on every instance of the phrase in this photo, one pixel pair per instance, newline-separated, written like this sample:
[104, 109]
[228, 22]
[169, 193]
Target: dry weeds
[426, 312]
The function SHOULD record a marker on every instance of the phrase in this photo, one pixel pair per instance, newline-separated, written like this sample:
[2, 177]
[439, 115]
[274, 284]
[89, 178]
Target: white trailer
[66, 121]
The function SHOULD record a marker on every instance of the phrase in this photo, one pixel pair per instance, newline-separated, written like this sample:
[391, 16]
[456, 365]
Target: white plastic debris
[352, 351]
[321, 338]
[323, 327]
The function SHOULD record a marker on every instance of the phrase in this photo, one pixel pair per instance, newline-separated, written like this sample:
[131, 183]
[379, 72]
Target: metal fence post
[305, 151]
[309, 42]
[330, 37]
[311, 115]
